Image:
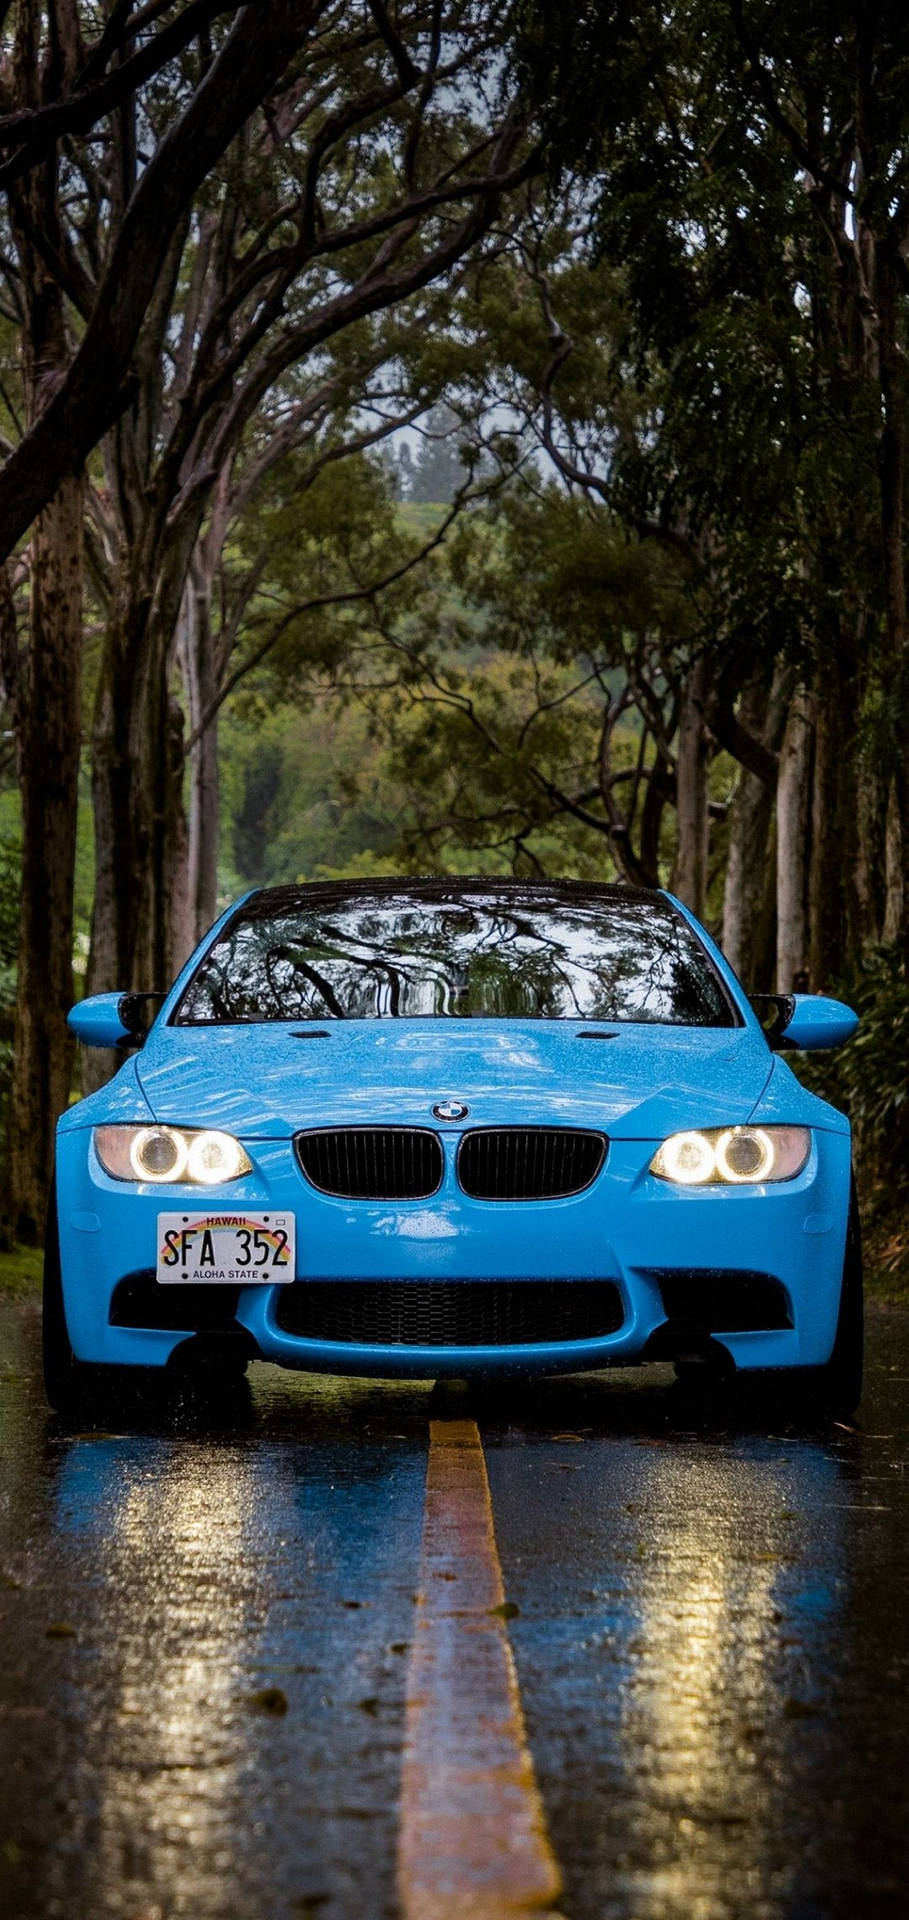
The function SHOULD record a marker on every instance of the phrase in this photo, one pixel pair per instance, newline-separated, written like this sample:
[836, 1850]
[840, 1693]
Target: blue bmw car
[439, 1127]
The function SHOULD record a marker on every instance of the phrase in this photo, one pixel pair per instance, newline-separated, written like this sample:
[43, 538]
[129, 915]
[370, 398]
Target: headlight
[732, 1156]
[197, 1156]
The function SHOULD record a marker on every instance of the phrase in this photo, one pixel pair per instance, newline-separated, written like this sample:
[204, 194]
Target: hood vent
[372, 1163]
[528, 1163]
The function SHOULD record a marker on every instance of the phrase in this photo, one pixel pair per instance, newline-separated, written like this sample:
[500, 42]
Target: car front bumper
[655, 1243]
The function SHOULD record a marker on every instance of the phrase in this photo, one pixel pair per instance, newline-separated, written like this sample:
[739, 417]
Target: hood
[267, 1081]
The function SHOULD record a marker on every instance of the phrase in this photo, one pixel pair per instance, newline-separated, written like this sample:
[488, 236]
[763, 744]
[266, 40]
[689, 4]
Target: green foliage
[706, 133]
[455, 722]
[303, 797]
[869, 1078]
[10, 881]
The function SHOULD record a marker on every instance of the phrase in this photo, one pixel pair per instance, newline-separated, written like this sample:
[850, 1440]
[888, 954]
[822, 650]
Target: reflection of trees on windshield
[530, 953]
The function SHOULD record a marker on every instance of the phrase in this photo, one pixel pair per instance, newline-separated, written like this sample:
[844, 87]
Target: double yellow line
[473, 1842]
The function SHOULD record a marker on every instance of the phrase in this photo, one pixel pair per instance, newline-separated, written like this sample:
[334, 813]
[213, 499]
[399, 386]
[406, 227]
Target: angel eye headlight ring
[214, 1157]
[732, 1156]
[745, 1154]
[687, 1159]
[158, 1153]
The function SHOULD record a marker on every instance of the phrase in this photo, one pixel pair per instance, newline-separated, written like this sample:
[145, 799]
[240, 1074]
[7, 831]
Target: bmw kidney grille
[372, 1163]
[528, 1163]
[493, 1163]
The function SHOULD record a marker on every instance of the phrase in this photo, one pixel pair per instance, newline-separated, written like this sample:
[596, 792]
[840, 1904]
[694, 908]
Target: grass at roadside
[20, 1273]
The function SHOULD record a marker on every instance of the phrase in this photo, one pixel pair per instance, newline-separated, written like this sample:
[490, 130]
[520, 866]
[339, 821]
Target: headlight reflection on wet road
[685, 1631]
[184, 1595]
[229, 1695]
[209, 1632]
[702, 1694]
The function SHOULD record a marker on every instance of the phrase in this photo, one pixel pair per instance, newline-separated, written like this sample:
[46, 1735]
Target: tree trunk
[112, 803]
[137, 774]
[689, 878]
[870, 904]
[763, 962]
[762, 711]
[792, 825]
[834, 836]
[197, 665]
[136, 785]
[156, 826]
[49, 717]
[113, 910]
[49, 777]
[895, 397]
[204, 824]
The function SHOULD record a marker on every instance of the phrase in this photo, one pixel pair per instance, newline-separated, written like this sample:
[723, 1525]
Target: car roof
[442, 888]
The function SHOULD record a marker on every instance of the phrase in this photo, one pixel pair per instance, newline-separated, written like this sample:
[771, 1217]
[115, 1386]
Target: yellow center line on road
[473, 1843]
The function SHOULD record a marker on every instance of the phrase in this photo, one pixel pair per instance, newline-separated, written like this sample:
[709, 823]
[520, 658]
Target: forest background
[453, 437]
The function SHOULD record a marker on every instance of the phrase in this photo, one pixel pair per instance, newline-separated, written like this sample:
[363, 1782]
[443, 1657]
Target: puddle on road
[713, 1650]
[165, 1590]
[207, 1621]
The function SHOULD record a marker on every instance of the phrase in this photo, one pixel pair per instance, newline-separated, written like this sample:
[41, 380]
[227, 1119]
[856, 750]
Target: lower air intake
[528, 1163]
[138, 1301]
[717, 1301]
[372, 1163]
[450, 1313]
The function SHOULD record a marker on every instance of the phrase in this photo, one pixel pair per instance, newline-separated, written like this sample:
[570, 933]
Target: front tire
[837, 1386]
[831, 1391]
[68, 1382]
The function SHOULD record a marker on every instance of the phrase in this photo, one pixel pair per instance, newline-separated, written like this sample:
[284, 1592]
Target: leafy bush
[869, 1078]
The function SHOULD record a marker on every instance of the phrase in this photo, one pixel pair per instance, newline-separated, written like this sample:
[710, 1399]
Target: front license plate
[225, 1248]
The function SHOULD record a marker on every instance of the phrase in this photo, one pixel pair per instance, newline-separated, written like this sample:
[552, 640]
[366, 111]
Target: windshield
[525, 954]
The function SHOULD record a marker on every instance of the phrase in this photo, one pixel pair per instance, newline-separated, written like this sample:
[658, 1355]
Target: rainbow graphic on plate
[225, 1249]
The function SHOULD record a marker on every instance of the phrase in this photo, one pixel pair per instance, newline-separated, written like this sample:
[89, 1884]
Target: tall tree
[228, 82]
[81, 315]
[384, 170]
[523, 696]
[242, 186]
[48, 690]
[749, 172]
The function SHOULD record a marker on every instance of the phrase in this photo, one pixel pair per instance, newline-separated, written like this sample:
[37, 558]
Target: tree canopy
[505, 407]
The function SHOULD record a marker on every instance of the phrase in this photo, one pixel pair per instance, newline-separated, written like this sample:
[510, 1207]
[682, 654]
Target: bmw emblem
[451, 1110]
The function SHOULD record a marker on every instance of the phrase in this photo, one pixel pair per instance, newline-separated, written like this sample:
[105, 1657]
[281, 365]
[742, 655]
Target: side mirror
[113, 1019]
[807, 1021]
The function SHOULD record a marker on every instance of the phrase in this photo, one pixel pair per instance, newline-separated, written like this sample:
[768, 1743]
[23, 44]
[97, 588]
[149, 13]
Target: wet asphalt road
[206, 1622]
